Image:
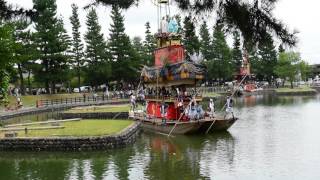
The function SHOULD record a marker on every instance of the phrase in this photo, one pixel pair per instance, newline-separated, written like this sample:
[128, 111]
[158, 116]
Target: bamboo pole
[226, 103]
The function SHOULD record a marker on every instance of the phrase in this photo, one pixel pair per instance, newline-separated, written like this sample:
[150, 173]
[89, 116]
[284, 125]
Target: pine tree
[268, 60]
[6, 52]
[205, 42]
[221, 67]
[77, 46]
[25, 50]
[236, 51]
[149, 44]
[123, 56]
[281, 49]
[52, 43]
[99, 68]
[190, 40]
[138, 46]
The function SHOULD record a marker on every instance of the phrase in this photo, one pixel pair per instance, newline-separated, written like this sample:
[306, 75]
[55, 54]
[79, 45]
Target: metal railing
[75, 100]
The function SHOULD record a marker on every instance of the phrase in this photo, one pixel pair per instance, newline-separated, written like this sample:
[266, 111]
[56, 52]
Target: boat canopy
[186, 72]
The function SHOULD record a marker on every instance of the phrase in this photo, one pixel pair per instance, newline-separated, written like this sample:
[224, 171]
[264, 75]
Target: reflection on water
[275, 138]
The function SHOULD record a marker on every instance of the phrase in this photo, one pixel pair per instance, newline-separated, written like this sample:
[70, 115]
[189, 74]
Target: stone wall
[95, 115]
[127, 136]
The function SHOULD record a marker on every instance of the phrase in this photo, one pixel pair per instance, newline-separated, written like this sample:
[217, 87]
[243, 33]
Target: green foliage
[25, 49]
[263, 66]
[149, 44]
[77, 46]
[139, 48]
[236, 51]
[52, 42]
[98, 70]
[6, 58]
[235, 14]
[290, 65]
[221, 66]
[125, 60]
[205, 42]
[281, 49]
[190, 39]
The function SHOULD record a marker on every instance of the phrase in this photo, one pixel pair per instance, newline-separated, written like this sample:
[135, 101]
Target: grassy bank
[211, 94]
[304, 90]
[80, 129]
[113, 108]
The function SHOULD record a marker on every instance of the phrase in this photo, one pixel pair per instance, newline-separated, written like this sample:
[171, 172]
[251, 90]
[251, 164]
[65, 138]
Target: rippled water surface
[275, 138]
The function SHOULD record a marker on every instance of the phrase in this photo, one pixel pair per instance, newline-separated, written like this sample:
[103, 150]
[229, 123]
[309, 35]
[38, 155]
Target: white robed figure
[211, 107]
[229, 106]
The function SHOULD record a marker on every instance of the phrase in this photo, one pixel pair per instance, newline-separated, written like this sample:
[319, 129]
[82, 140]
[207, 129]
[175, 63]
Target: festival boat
[172, 100]
[245, 79]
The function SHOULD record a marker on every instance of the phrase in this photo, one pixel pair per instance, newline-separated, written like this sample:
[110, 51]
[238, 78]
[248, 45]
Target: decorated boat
[172, 100]
[245, 79]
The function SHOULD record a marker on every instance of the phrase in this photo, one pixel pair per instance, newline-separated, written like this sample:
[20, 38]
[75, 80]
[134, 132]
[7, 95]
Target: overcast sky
[300, 15]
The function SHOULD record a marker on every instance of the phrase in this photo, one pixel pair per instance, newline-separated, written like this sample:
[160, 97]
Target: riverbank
[80, 128]
[296, 91]
[88, 135]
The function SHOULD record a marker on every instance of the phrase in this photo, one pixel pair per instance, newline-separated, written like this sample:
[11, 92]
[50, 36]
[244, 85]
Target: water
[275, 138]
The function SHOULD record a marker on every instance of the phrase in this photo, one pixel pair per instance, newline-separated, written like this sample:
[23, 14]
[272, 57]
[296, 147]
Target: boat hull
[219, 124]
[180, 128]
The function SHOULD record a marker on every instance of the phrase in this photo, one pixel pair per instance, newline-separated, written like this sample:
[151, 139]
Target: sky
[296, 14]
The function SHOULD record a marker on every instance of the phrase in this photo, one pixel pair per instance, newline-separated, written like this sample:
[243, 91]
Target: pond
[275, 138]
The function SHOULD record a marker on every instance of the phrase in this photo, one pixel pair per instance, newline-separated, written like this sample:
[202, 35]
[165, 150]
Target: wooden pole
[226, 103]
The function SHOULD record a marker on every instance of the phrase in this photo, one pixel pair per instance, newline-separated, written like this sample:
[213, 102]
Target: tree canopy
[253, 18]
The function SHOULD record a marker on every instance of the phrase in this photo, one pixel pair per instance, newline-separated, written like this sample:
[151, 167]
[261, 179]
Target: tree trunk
[22, 88]
[79, 77]
[291, 82]
[53, 88]
[29, 82]
[47, 84]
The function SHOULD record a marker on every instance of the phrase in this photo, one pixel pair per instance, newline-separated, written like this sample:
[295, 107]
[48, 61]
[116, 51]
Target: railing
[75, 100]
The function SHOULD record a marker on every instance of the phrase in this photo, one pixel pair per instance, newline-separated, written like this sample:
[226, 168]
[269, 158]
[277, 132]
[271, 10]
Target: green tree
[6, 52]
[221, 66]
[24, 50]
[235, 14]
[290, 65]
[123, 56]
[139, 47]
[52, 43]
[264, 68]
[190, 39]
[236, 51]
[150, 44]
[77, 46]
[205, 42]
[99, 68]
[281, 49]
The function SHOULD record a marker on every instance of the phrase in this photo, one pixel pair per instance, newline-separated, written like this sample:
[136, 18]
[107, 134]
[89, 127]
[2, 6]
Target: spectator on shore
[133, 101]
